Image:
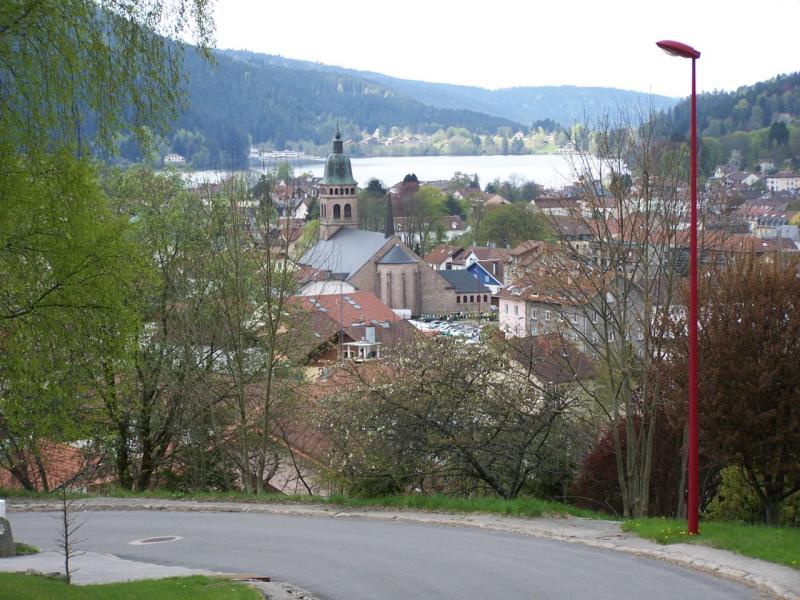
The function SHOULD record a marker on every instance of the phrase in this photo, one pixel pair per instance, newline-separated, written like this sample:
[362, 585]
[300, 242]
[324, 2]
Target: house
[174, 160]
[491, 259]
[486, 278]
[783, 181]
[442, 257]
[555, 207]
[551, 360]
[356, 325]
[573, 306]
[470, 295]
[495, 200]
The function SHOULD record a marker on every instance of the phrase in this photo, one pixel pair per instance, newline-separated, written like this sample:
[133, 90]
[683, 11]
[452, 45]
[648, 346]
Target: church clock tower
[338, 202]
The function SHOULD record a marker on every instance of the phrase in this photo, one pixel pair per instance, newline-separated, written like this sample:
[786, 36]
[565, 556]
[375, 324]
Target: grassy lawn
[775, 544]
[15, 586]
[520, 507]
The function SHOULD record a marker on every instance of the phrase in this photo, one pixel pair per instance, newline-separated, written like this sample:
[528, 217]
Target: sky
[505, 43]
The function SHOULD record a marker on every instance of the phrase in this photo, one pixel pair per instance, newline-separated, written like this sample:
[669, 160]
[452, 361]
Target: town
[276, 328]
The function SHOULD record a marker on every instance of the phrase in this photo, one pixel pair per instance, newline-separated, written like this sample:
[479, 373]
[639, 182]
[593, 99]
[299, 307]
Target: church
[378, 262]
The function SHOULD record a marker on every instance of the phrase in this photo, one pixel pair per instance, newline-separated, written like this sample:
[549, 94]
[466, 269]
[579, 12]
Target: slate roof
[396, 256]
[463, 281]
[345, 252]
[551, 358]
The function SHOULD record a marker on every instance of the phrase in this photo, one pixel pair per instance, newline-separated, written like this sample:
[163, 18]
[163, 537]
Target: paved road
[353, 559]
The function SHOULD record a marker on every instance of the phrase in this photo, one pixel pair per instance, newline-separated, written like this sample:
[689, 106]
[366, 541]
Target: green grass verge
[23, 549]
[775, 544]
[16, 586]
[520, 507]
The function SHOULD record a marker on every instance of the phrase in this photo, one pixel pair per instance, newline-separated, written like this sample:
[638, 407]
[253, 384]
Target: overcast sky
[504, 43]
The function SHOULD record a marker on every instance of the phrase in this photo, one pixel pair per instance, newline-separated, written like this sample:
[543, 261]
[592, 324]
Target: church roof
[396, 256]
[345, 252]
[463, 281]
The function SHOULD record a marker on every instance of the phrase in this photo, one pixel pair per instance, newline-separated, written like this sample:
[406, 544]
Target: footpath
[776, 580]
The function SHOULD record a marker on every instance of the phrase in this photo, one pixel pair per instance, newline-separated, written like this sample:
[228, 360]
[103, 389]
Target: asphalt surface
[357, 559]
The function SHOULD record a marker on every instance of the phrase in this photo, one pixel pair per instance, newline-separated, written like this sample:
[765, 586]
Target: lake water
[549, 170]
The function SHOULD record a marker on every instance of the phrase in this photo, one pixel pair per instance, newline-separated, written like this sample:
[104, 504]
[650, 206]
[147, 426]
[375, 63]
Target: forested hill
[746, 109]
[757, 121]
[564, 105]
[277, 103]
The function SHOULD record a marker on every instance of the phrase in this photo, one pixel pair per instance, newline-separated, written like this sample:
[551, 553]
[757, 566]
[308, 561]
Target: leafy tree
[779, 133]
[72, 69]
[510, 224]
[375, 188]
[64, 267]
[448, 417]
[749, 349]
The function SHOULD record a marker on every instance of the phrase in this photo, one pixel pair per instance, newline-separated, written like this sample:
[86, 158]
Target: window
[348, 211]
[534, 313]
[458, 299]
[595, 337]
[335, 191]
[574, 317]
[485, 298]
[595, 317]
[337, 211]
[547, 315]
[506, 308]
[472, 298]
[640, 335]
[516, 310]
[464, 299]
[534, 331]
[612, 336]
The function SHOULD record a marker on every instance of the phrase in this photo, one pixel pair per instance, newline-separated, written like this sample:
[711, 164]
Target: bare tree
[611, 285]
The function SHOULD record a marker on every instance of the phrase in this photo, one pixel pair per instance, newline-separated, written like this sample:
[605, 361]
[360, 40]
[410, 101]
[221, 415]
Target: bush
[736, 501]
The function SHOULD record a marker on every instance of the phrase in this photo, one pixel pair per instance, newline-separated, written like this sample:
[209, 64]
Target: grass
[520, 507]
[16, 586]
[23, 549]
[775, 544]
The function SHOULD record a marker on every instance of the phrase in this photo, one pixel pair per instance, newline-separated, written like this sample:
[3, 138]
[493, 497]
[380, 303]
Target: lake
[549, 170]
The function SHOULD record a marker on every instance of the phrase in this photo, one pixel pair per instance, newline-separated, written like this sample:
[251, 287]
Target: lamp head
[678, 49]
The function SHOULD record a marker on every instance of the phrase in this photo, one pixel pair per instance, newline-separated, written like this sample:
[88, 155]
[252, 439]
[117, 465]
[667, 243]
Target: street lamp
[684, 51]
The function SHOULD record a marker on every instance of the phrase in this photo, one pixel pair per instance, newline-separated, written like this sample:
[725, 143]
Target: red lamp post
[684, 51]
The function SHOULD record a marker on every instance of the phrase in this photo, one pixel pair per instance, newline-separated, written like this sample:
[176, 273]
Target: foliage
[736, 501]
[774, 544]
[74, 71]
[509, 224]
[749, 346]
[750, 120]
[18, 586]
[452, 417]
[64, 267]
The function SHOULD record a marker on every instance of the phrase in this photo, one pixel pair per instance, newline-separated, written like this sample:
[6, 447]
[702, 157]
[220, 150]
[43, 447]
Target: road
[355, 559]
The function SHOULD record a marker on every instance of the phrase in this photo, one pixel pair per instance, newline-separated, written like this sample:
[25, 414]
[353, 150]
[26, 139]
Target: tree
[749, 349]
[64, 267]
[616, 274]
[444, 416]
[510, 224]
[779, 133]
[423, 210]
[72, 70]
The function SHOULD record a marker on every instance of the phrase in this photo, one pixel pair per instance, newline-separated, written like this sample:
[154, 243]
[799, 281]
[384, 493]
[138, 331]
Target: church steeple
[338, 202]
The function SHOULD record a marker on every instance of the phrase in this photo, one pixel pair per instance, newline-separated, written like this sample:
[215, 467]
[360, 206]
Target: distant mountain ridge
[564, 104]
